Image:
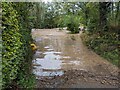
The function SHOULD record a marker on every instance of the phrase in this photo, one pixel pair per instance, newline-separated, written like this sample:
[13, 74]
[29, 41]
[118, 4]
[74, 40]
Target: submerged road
[63, 61]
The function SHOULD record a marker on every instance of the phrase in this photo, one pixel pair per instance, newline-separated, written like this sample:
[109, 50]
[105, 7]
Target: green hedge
[0, 63]
[12, 45]
[16, 51]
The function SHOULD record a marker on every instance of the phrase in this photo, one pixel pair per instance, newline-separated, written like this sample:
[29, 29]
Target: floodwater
[58, 51]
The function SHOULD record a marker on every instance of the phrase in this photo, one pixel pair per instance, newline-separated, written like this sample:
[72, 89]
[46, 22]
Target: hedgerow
[16, 51]
[0, 65]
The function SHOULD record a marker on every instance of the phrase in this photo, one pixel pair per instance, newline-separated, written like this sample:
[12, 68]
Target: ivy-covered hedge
[16, 51]
[12, 45]
[0, 64]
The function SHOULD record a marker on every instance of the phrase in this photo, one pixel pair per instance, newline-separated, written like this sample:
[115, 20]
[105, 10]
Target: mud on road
[62, 61]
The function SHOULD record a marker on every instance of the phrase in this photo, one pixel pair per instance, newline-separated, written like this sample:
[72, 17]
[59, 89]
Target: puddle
[49, 62]
[38, 54]
[50, 49]
[49, 65]
[71, 62]
[46, 47]
[52, 52]
[48, 73]
[75, 62]
[38, 39]
[66, 57]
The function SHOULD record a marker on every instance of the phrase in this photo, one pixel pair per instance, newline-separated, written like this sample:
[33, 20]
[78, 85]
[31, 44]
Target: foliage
[106, 45]
[25, 81]
[16, 53]
[12, 50]
[73, 26]
[100, 19]
[102, 30]
[38, 14]
[101, 34]
[0, 64]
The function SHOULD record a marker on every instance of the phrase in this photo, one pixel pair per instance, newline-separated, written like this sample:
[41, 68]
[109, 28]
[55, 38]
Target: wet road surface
[62, 60]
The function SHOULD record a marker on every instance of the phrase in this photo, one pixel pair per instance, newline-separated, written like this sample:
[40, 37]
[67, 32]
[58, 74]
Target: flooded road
[61, 55]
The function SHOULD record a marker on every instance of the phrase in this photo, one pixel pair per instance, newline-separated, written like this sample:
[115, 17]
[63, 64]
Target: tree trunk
[103, 16]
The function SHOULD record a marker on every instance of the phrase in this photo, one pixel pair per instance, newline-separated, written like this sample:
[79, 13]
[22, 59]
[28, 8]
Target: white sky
[82, 0]
[47, 1]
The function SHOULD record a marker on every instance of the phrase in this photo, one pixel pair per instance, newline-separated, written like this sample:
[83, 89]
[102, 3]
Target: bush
[73, 28]
[12, 50]
[16, 51]
[105, 46]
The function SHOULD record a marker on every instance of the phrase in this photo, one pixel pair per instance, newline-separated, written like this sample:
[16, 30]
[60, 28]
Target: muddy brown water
[59, 52]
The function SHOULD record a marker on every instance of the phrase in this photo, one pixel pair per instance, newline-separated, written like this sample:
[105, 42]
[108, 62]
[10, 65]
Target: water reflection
[49, 65]
[52, 53]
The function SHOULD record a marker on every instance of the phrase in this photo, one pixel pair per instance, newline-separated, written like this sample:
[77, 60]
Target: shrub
[12, 45]
[105, 46]
[16, 51]
[73, 26]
